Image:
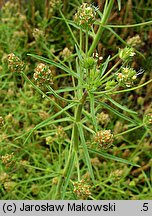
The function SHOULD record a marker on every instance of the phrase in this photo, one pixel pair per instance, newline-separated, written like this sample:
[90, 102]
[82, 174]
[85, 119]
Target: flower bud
[126, 53]
[110, 84]
[88, 63]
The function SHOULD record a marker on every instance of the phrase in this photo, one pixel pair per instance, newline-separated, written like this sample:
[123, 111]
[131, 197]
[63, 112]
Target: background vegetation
[35, 138]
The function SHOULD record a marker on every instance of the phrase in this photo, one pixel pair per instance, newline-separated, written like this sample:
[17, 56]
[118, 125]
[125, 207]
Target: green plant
[90, 82]
[84, 120]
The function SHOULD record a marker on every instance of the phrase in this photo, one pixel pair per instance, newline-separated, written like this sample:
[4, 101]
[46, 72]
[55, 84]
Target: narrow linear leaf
[58, 65]
[88, 129]
[68, 89]
[123, 41]
[112, 157]
[119, 105]
[45, 122]
[132, 89]
[131, 25]
[42, 93]
[38, 178]
[56, 95]
[117, 35]
[69, 173]
[72, 23]
[71, 32]
[86, 153]
[104, 66]
[66, 119]
[119, 4]
[93, 112]
[78, 53]
[118, 113]
[87, 118]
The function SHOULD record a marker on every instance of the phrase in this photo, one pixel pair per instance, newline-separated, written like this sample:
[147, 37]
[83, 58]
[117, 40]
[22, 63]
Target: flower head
[89, 62]
[135, 41]
[66, 54]
[127, 76]
[1, 121]
[85, 16]
[81, 189]
[148, 119]
[43, 75]
[54, 5]
[104, 138]
[37, 34]
[14, 63]
[103, 118]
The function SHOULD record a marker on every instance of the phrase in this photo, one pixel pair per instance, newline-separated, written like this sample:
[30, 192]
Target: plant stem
[64, 174]
[46, 9]
[106, 14]
[75, 139]
[78, 168]
[77, 119]
[81, 39]
[86, 43]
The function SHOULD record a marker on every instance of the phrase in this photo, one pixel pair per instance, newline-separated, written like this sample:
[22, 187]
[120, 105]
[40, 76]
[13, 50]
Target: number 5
[145, 207]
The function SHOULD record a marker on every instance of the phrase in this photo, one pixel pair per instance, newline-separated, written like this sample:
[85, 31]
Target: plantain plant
[94, 81]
